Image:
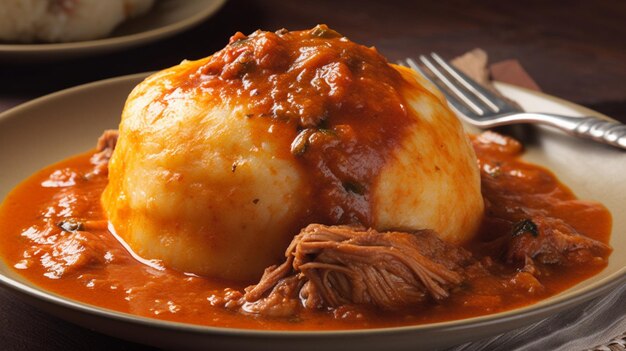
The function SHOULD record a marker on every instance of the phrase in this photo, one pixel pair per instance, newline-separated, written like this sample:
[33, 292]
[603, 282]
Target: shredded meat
[331, 266]
[555, 242]
[106, 145]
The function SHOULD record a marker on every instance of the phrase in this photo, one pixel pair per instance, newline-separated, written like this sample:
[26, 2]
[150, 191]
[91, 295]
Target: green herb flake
[239, 42]
[328, 132]
[525, 226]
[322, 31]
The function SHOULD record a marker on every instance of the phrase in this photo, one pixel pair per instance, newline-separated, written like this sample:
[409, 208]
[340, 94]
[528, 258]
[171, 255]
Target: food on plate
[296, 180]
[343, 265]
[220, 161]
[27, 21]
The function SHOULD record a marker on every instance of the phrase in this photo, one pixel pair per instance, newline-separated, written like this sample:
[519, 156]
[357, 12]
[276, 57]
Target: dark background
[575, 50]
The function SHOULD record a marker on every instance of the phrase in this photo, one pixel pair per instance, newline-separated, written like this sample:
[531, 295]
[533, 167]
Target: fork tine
[456, 104]
[416, 67]
[484, 95]
[450, 89]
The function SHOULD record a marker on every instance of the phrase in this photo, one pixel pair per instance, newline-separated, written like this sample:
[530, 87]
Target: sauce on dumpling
[221, 161]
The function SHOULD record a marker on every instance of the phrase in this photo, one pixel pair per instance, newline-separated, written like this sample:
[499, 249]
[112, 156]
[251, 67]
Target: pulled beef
[553, 242]
[105, 146]
[331, 266]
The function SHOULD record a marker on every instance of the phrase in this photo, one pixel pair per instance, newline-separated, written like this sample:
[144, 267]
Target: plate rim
[534, 311]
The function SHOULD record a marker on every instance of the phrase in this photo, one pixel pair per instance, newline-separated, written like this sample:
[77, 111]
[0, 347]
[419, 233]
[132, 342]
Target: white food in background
[65, 20]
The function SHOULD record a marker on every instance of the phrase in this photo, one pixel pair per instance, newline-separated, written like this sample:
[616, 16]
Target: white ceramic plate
[167, 18]
[56, 126]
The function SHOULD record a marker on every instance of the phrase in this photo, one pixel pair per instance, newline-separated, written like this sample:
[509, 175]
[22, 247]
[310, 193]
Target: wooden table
[573, 49]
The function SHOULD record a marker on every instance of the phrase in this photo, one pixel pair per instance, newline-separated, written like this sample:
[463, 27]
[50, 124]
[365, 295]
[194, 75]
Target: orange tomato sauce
[87, 263]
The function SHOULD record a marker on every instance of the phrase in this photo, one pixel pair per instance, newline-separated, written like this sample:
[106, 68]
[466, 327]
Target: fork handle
[607, 132]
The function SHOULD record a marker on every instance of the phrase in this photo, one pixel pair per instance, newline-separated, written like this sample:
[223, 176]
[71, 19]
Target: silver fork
[482, 108]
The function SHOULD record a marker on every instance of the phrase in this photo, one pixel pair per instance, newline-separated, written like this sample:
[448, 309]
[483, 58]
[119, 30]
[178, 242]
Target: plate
[165, 19]
[51, 128]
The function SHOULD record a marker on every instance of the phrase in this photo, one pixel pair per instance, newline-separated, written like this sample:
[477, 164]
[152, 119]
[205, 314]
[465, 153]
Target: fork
[484, 109]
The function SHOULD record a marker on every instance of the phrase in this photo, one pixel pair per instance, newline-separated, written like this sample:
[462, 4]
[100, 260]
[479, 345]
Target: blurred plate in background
[167, 18]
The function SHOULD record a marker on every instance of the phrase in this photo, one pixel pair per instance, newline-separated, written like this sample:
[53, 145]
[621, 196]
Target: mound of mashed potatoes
[221, 161]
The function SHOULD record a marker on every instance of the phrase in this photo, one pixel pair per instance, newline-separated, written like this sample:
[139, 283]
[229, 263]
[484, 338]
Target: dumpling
[221, 161]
